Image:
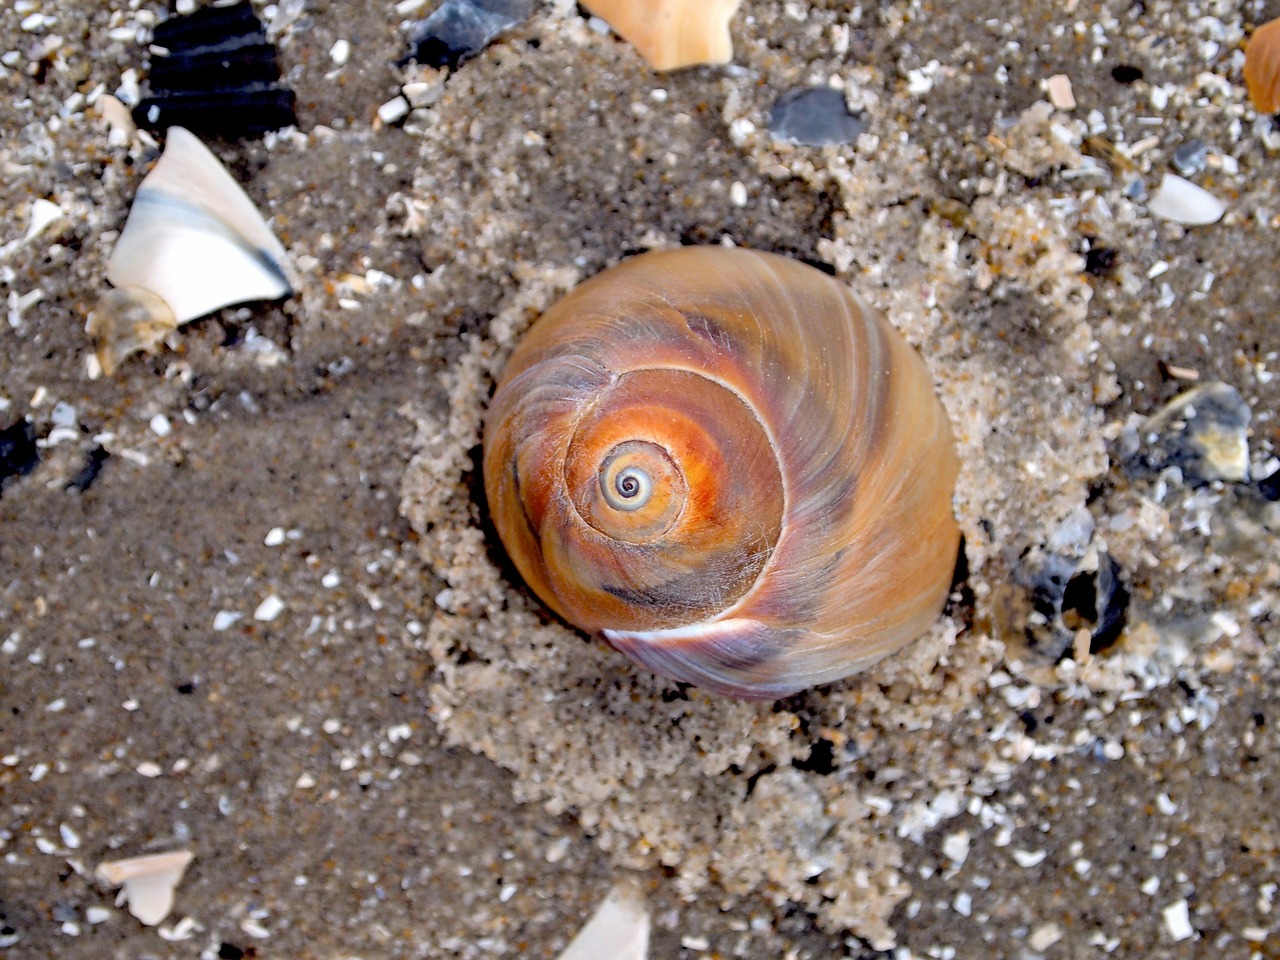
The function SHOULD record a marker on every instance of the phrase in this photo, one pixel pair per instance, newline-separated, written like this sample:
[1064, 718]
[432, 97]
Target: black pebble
[1101, 261]
[18, 451]
[1126, 73]
[1269, 487]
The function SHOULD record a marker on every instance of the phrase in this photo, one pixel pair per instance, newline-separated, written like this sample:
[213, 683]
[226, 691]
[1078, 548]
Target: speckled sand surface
[412, 759]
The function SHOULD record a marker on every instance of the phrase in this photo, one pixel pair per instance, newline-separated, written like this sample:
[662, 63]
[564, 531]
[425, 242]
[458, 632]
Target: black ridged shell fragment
[215, 73]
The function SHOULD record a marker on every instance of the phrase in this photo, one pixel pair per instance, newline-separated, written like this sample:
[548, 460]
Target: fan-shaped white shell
[195, 239]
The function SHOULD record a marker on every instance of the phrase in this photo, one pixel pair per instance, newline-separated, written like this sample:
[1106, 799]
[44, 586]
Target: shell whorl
[730, 466]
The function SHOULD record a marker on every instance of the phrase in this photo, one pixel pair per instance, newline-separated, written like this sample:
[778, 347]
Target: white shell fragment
[1182, 201]
[619, 929]
[148, 882]
[193, 243]
[1059, 89]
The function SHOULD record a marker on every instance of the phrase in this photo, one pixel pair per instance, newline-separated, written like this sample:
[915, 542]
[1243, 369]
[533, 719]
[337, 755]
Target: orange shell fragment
[671, 33]
[1262, 67]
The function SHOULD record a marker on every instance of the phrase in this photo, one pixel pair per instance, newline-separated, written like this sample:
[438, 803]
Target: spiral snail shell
[730, 466]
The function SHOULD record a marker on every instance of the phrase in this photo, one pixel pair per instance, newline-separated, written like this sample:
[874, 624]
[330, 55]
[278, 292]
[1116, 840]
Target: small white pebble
[1150, 886]
[963, 904]
[224, 619]
[254, 929]
[269, 609]
[63, 415]
[46, 846]
[397, 108]
[131, 705]
[160, 425]
[1029, 858]
[507, 892]
[148, 769]
[956, 847]
[56, 706]
[1059, 89]
[1044, 936]
[340, 52]
[695, 943]
[330, 580]
[305, 782]
[1177, 918]
[70, 839]
[740, 129]
[331, 726]
[738, 194]
[557, 850]
[1165, 805]
[97, 915]
[919, 82]
[274, 537]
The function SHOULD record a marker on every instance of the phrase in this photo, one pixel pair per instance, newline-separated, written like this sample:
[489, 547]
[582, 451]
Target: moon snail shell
[730, 466]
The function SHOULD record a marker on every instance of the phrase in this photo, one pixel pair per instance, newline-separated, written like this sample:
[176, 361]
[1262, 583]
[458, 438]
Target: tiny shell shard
[619, 929]
[672, 33]
[148, 882]
[1262, 67]
[193, 243]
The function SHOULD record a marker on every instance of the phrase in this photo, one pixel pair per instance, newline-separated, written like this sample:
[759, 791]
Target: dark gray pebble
[814, 117]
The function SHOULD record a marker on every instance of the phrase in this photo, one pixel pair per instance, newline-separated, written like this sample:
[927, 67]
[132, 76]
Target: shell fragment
[619, 929]
[148, 882]
[1181, 201]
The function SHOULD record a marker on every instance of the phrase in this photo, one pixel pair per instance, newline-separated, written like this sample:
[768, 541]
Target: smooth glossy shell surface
[728, 465]
[671, 34]
[1262, 67]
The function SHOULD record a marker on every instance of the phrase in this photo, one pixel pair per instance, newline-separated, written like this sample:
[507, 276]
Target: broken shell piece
[148, 882]
[457, 30]
[619, 929]
[1204, 432]
[195, 241]
[1183, 202]
[1262, 67]
[128, 320]
[671, 33]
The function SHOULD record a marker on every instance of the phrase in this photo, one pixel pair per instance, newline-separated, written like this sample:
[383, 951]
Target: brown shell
[730, 466]
[1262, 67]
